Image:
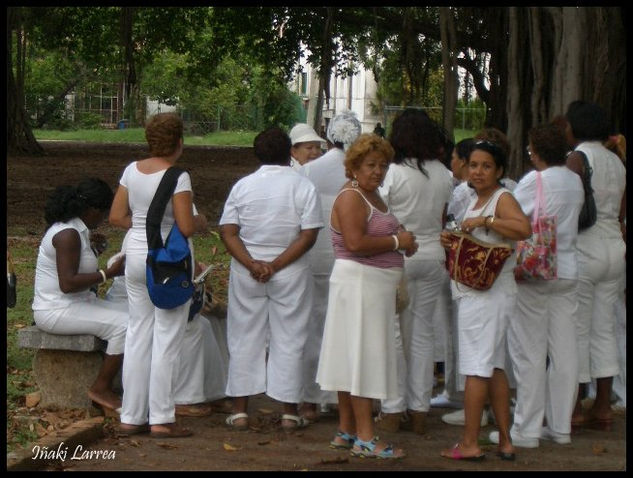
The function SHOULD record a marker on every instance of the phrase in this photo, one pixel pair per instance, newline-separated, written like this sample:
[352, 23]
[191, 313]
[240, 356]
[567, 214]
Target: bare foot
[107, 399]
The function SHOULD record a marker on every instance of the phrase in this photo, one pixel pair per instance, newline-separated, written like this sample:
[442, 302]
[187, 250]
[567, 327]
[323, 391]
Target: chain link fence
[465, 118]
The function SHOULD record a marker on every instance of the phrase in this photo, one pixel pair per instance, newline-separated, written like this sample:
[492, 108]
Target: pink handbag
[536, 257]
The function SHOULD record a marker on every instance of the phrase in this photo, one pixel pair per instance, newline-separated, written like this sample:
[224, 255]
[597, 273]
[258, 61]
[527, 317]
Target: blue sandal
[367, 449]
[349, 441]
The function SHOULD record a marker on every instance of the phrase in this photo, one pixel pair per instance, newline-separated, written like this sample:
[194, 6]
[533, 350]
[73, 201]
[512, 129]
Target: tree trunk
[20, 139]
[325, 68]
[449, 54]
[519, 86]
[129, 71]
[496, 115]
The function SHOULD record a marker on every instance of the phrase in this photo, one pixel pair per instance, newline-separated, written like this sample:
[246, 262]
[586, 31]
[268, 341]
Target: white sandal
[231, 419]
[300, 422]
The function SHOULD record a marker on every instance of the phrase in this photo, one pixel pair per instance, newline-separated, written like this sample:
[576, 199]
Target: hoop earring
[354, 183]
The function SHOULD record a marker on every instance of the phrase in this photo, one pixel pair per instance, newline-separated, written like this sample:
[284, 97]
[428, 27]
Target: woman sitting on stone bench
[66, 271]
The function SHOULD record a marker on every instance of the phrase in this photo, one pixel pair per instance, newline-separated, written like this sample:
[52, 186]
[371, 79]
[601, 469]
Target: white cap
[302, 133]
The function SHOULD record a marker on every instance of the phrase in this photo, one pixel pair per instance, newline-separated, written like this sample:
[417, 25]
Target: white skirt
[358, 352]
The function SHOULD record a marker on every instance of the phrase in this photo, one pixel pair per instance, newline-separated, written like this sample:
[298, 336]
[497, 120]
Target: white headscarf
[344, 128]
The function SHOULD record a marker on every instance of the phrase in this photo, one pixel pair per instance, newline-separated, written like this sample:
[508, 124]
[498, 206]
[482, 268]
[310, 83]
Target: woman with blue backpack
[154, 334]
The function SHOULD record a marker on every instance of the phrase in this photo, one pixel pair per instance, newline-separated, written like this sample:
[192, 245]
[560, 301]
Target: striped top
[378, 224]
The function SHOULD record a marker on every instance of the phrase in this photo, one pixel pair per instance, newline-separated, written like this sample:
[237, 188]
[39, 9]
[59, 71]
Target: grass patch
[137, 135]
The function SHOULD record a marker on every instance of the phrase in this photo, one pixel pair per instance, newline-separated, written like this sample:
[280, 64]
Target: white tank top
[506, 277]
[47, 294]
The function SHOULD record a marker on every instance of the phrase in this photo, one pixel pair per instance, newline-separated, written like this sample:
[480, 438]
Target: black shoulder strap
[587, 172]
[156, 209]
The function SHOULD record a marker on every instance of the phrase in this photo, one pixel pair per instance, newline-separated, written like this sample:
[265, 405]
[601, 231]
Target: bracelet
[103, 275]
[396, 241]
[486, 223]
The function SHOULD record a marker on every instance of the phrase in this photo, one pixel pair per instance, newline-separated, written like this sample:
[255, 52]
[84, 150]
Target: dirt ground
[265, 446]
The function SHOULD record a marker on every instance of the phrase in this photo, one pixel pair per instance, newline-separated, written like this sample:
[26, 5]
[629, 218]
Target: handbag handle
[539, 200]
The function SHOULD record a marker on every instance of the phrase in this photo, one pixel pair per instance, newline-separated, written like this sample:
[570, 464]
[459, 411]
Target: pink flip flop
[456, 454]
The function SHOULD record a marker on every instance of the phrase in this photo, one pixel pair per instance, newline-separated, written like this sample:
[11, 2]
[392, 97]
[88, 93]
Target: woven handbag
[475, 263]
[536, 256]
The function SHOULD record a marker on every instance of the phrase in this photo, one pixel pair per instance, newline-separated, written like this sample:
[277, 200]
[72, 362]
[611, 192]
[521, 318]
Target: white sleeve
[525, 192]
[312, 217]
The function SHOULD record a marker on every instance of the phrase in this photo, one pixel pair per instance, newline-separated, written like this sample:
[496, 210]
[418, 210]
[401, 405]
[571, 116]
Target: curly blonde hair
[365, 144]
[163, 131]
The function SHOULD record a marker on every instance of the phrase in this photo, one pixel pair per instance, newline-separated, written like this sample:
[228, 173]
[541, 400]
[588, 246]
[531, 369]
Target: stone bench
[64, 366]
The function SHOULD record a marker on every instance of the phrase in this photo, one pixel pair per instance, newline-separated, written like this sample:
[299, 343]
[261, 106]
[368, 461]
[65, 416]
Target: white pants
[619, 381]
[152, 347]
[282, 307]
[312, 392]
[202, 369]
[544, 326]
[601, 267]
[483, 321]
[424, 281]
[96, 317]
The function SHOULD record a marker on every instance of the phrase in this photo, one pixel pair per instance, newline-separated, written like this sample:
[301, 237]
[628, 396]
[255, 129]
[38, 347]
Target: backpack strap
[156, 209]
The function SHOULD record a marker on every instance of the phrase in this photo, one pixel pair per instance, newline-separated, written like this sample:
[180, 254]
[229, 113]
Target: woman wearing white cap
[306, 145]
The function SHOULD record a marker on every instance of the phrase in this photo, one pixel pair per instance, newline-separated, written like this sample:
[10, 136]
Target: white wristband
[103, 275]
[396, 241]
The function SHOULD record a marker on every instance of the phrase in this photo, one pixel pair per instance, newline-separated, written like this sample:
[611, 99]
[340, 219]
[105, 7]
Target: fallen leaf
[598, 448]
[168, 446]
[134, 443]
[263, 442]
[338, 459]
[228, 447]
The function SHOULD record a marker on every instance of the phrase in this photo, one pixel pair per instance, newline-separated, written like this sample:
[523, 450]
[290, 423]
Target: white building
[356, 93]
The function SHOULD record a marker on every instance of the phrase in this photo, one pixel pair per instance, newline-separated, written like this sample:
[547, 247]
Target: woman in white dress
[493, 216]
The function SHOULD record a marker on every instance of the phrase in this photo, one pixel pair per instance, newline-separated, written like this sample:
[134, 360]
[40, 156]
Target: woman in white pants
[417, 189]
[544, 325]
[65, 272]
[154, 335]
[601, 262]
[328, 176]
[270, 220]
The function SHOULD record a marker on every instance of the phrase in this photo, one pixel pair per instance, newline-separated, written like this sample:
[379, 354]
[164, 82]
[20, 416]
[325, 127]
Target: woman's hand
[446, 239]
[407, 242]
[472, 223]
[261, 271]
[117, 268]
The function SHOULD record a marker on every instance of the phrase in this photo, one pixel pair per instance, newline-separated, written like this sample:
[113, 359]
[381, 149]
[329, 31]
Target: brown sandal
[174, 431]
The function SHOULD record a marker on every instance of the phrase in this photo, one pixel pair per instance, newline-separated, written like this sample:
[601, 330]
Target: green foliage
[88, 120]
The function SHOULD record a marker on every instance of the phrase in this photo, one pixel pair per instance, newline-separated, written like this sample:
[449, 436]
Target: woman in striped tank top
[358, 352]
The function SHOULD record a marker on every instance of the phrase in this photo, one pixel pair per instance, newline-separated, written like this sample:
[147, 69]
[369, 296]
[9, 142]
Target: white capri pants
[279, 309]
[601, 266]
[96, 317]
[152, 349]
[544, 326]
[482, 324]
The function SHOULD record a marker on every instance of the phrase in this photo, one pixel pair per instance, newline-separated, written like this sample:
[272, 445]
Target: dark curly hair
[68, 202]
[549, 143]
[415, 135]
[272, 146]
